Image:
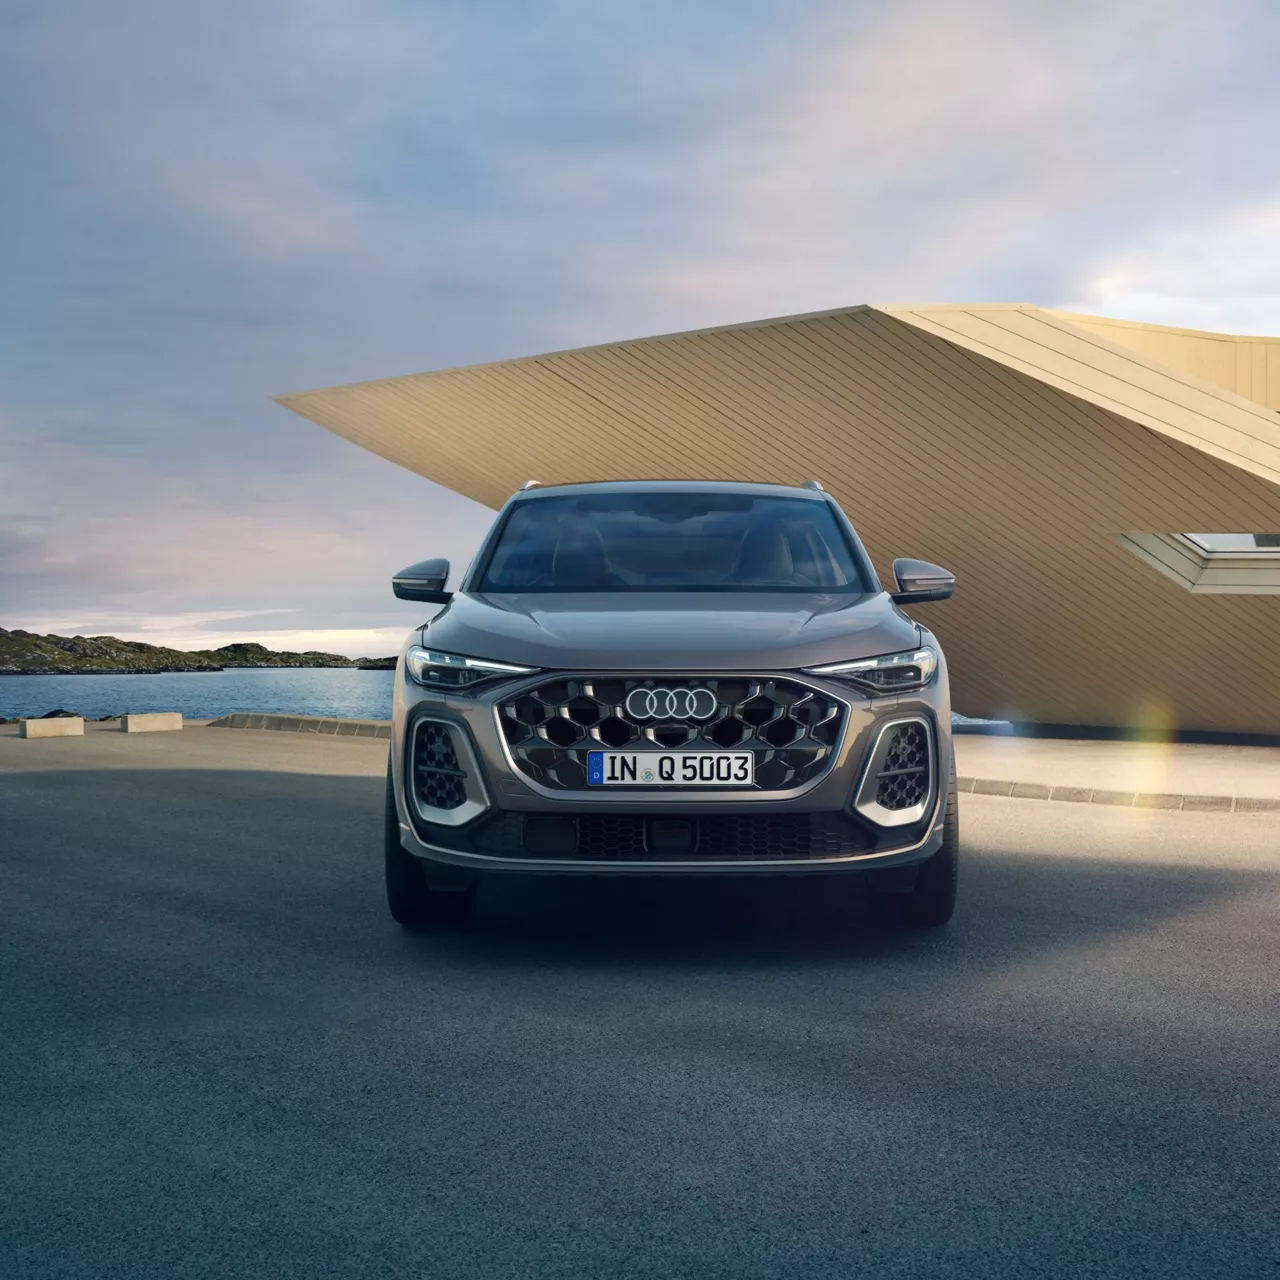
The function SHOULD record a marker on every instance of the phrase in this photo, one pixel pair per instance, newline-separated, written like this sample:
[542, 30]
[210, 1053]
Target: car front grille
[903, 779]
[791, 728]
[631, 837]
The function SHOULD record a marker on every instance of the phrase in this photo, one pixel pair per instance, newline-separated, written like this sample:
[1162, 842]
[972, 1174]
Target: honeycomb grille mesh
[438, 776]
[611, 835]
[903, 779]
[728, 837]
[791, 728]
[630, 837]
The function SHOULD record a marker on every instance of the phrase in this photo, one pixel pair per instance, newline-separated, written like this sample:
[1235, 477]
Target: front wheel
[412, 901]
[932, 901]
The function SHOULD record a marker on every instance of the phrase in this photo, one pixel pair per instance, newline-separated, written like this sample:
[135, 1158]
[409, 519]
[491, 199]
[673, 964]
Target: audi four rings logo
[671, 704]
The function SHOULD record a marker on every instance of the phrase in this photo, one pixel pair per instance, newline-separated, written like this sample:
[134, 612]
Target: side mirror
[423, 581]
[918, 581]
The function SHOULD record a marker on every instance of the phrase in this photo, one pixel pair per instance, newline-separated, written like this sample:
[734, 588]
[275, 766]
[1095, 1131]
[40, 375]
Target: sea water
[205, 695]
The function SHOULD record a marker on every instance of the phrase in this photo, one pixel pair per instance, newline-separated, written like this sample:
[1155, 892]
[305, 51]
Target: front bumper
[733, 832]
[469, 862]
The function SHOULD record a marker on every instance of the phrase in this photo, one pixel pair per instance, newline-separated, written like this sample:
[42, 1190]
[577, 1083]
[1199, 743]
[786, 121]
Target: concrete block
[991, 787]
[964, 784]
[57, 727]
[153, 722]
[1030, 791]
[1207, 804]
[1158, 800]
[1101, 796]
[1256, 804]
[1081, 795]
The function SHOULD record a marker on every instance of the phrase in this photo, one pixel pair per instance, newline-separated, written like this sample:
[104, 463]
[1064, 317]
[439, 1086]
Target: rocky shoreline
[58, 715]
[26, 653]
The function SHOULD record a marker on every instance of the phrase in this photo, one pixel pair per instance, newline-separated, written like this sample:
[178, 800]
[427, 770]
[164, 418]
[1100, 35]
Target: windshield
[672, 542]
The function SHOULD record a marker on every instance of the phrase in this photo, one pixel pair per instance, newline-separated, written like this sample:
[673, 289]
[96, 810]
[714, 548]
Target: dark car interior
[672, 542]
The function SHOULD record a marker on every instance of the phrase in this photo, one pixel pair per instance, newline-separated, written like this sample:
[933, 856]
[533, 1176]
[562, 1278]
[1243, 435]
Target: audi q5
[671, 678]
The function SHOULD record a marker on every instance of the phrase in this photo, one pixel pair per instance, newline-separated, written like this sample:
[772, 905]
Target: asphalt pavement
[219, 1057]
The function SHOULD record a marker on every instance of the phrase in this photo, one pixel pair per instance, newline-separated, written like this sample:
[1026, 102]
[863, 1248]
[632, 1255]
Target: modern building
[1098, 487]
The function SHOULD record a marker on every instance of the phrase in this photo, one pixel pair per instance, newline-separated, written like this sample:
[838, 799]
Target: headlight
[891, 673]
[455, 672]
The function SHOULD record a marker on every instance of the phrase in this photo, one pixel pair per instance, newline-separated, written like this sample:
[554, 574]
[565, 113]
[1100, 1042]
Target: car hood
[671, 631]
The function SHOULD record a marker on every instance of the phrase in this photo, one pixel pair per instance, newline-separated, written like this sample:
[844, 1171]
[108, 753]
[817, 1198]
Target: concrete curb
[305, 724]
[1123, 799]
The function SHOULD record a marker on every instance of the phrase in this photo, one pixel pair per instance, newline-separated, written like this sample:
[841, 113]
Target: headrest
[764, 555]
[580, 559]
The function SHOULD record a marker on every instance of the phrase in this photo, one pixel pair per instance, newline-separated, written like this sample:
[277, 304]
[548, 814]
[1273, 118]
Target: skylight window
[1212, 563]
[1215, 544]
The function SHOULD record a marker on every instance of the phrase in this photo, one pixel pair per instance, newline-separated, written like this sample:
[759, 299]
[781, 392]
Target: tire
[411, 900]
[932, 901]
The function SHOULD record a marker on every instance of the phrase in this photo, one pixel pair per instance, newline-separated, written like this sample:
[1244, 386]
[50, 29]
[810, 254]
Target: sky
[203, 205]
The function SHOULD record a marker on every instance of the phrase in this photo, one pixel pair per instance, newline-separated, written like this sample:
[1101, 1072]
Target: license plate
[670, 768]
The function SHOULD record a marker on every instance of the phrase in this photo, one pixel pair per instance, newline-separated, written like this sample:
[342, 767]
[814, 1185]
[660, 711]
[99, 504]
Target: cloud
[250, 122]
[353, 642]
[97, 541]
[210, 204]
[1222, 273]
[950, 149]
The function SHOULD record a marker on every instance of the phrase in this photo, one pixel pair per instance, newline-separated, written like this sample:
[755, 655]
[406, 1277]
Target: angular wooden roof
[1013, 444]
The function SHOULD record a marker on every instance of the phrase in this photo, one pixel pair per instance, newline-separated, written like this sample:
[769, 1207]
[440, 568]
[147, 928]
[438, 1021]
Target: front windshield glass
[675, 541]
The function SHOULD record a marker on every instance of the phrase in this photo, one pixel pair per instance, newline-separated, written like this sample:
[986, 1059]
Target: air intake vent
[634, 837]
[903, 781]
[897, 783]
[439, 777]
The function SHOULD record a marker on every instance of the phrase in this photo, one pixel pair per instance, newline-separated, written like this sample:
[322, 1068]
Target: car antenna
[530, 484]
[813, 484]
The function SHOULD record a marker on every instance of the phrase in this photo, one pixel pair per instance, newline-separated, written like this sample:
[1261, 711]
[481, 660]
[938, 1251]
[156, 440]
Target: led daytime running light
[889, 673]
[437, 670]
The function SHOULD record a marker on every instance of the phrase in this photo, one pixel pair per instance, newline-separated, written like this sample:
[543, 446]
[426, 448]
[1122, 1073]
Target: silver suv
[671, 678]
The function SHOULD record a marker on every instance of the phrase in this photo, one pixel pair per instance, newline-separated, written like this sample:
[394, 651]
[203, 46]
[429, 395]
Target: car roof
[669, 486]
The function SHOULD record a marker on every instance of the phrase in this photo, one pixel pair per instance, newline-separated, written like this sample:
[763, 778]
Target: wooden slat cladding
[1247, 366]
[1001, 441]
[1050, 350]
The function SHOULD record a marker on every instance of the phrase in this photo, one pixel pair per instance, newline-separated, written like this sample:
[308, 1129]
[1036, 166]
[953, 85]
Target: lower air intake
[904, 779]
[898, 782]
[632, 837]
[437, 774]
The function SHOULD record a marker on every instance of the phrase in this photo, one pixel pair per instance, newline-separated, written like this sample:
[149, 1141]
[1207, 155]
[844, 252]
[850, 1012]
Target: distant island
[24, 653]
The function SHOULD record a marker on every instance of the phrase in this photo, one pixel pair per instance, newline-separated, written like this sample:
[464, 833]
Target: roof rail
[813, 484]
[529, 484]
